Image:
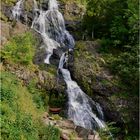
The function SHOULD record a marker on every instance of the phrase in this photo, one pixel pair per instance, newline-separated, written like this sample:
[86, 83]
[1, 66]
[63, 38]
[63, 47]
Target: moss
[106, 82]
[56, 117]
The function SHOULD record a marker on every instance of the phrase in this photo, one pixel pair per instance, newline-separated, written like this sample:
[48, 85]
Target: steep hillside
[104, 64]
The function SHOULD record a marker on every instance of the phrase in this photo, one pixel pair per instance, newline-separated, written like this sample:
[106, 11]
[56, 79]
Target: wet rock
[56, 57]
[40, 56]
[110, 111]
[44, 6]
[82, 132]
[57, 53]
[30, 17]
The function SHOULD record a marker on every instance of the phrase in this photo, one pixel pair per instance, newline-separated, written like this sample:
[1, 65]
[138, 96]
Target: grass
[20, 117]
[23, 105]
[39, 96]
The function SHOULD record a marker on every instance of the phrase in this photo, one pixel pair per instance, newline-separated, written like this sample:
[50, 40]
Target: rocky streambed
[68, 130]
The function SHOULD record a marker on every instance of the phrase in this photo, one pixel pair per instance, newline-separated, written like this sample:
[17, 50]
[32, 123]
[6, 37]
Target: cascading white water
[35, 6]
[100, 111]
[79, 109]
[17, 10]
[53, 4]
[51, 26]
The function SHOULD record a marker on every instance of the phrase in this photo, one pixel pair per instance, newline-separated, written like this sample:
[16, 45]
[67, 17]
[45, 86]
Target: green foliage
[56, 100]
[19, 115]
[116, 23]
[39, 96]
[108, 132]
[80, 2]
[9, 2]
[125, 65]
[20, 49]
[50, 133]
[56, 117]
[113, 19]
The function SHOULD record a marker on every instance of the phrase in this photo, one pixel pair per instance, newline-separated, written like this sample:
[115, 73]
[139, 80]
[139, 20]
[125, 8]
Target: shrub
[19, 49]
[20, 118]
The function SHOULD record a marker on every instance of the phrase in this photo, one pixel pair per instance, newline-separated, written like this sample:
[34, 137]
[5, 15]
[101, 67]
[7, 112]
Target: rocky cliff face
[73, 14]
[90, 70]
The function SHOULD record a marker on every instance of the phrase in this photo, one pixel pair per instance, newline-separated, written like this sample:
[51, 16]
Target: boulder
[82, 132]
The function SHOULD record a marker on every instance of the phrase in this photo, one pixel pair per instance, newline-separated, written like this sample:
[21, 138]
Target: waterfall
[79, 110]
[17, 10]
[35, 6]
[53, 4]
[50, 25]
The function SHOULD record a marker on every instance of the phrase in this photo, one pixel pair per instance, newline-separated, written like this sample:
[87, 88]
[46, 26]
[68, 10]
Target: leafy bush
[125, 65]
[50, 133]
[20, 49]
[38, 95]
[109, 132]
[20, 118]
[56, 100]
[116, 23]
